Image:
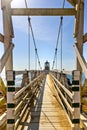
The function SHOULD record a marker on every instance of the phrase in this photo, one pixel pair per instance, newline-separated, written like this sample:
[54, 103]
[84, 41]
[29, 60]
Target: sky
[45, 31]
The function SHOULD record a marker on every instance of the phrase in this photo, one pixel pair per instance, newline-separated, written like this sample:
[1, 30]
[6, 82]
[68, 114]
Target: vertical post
[76, 99]
[25, 79]
[38, 72]
[8, 30]
[56, 75]
[35, 74]
[30, 75]
[10, 100]
[79, 31]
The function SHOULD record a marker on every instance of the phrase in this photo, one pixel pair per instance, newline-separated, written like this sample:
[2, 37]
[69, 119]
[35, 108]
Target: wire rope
[36, 53]
[59, 31]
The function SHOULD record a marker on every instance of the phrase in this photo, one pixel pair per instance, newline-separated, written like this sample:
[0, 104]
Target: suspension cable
[28, 38]
[62, 38]
[61, 44]
[29, 47]
[35, 47]
[57, 44]
[59, 31]
[35, 60]
[36, 53]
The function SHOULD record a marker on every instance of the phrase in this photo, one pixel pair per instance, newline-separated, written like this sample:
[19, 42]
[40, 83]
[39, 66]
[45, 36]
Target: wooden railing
[70, 101]
[24, 97]
[3, 121]
[19, 100]
[82, 61]
[64, 94]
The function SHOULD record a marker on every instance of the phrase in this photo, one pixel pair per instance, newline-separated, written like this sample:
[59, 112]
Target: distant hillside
[84, 89]
[84, 96]
[85, 83]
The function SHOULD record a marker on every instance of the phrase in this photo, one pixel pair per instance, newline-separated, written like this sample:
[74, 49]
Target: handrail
[24, 71]
[23, 89]
[83, 121]
[62, 86]
[69, 94]
[20, 72]
[81, 60]
[2, 119]
[64, 99]
[25, 95]
[70, 101]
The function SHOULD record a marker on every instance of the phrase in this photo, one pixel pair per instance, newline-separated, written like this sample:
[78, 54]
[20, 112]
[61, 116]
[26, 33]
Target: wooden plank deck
[46, 113]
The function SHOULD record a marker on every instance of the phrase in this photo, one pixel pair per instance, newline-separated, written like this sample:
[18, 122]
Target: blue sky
[45, 32]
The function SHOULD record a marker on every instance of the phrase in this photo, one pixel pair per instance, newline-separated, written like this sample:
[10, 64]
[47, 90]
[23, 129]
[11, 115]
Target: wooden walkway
[46, 113]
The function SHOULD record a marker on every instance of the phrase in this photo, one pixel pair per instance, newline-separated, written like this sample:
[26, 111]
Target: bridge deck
[46, 113]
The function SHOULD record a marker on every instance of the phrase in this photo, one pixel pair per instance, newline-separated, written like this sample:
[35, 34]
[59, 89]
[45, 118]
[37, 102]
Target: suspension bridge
[46, 99]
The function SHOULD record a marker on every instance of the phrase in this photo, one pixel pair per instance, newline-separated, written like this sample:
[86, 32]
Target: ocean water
[18, 79]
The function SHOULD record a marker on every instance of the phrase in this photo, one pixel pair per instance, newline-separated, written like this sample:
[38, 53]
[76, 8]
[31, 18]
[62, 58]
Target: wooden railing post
[10, 100]
[76, 99]
[7, 30]
[35, 74]
[30, 76]
[25, 79]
